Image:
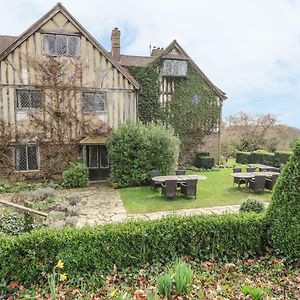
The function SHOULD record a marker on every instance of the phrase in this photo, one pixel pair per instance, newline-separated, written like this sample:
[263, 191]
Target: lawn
[216, 190]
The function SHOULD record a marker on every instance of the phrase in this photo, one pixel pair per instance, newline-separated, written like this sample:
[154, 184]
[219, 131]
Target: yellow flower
[60, 264]
[63, 277]
[113, 293]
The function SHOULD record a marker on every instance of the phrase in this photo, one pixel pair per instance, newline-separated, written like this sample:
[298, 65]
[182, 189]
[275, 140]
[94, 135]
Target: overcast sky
[248, 48]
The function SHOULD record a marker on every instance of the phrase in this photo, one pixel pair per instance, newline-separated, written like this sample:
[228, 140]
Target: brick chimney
[115, 44]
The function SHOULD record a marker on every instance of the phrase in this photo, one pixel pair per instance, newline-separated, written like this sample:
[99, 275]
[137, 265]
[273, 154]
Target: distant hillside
[284, 135]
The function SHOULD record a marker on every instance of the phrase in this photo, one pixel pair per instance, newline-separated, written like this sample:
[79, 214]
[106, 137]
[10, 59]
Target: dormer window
[61, 45]
[174, 67]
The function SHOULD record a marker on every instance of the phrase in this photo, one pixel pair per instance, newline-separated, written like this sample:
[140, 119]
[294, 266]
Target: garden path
[104, 205]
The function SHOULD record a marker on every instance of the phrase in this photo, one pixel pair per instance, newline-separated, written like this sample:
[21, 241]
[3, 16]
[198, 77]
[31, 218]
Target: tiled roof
[5, 41]
[132, 60]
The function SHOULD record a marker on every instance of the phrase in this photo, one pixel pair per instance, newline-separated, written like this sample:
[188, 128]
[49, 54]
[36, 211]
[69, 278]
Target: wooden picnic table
[262, 167]
[178, 178]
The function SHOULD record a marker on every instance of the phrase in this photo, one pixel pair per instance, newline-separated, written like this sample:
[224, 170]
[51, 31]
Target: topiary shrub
[283, 214]
[204, 162]
[77, 175]
[135, 149]
[252, 205]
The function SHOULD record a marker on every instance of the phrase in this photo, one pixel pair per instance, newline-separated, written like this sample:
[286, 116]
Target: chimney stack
[115, 44]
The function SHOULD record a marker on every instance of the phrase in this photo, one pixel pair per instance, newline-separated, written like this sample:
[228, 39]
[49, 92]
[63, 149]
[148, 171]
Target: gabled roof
[5, 41]
[129, 60]
[39, 23]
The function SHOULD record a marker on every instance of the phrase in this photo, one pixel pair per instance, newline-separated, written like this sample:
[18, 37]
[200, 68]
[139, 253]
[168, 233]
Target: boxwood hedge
[29, 257]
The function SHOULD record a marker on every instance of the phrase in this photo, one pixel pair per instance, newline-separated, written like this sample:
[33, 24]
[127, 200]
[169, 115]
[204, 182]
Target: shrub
[77, 175]
[202, 153]
[252, 205]
[13, 223]
[204, 162]
[243, 157]
[261, 157]
[135, 149]
[283, 214]
[97, 250]
[281, 157]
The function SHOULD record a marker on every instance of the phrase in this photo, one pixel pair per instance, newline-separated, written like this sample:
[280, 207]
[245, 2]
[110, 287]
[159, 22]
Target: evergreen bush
[77, 175]
[135, 149]
[283, 214]
[252, 205]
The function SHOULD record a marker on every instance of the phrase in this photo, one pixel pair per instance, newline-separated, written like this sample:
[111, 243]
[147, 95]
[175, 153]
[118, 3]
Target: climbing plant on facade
[148, 106]
[193, 111]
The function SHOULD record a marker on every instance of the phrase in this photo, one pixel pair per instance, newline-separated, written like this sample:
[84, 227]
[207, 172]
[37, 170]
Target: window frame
[67, 35]
[94, 92]
[27, 161]
[29, 90]
[172, 60]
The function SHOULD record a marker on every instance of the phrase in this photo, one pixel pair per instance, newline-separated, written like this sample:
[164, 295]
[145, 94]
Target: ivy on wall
[193, 111]
[148, 106]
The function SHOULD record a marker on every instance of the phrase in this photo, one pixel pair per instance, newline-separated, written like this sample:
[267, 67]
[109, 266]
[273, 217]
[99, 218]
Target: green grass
[216, 190]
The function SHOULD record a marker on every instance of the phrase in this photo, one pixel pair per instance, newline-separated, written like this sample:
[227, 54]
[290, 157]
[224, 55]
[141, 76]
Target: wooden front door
[97, 162]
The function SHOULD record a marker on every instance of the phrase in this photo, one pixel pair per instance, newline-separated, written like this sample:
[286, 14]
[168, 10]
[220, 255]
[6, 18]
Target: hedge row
[262, 157]
[29, 257]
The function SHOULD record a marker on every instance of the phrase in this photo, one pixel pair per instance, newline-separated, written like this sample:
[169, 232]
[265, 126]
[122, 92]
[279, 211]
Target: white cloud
[249, 48]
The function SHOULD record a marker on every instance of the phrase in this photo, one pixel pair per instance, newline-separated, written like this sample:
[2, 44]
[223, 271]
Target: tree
[283, 214]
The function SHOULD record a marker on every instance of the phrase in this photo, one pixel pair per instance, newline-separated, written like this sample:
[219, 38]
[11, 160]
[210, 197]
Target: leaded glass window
[97, 157]
[94, 102]
[29, 99]
[174, 67]
[61, 45]
[26, 157]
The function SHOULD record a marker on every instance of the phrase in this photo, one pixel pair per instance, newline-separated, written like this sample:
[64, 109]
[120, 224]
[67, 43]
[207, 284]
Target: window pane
[103, 157]
[36, 99]
[88, 101]
[61, 44]
[49, 44]
[23, 99]
[21, 161]
[93, 157]
[100, 102]
[73, 45]
[32, 157]
[167, 67]
[174, 67]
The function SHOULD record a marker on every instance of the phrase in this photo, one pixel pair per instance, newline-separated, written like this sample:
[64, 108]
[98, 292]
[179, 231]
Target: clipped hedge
[29, 257]
[263, 157]
[243, 157]
[283, 214]
[134, 149]
[281, 157]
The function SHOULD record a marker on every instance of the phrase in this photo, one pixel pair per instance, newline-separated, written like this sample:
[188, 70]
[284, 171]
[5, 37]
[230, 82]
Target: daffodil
[60, 264]
[113, 293]
[63, 277]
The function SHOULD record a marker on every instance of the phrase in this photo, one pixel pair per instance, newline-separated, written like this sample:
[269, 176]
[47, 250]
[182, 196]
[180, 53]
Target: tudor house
[94, 90]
